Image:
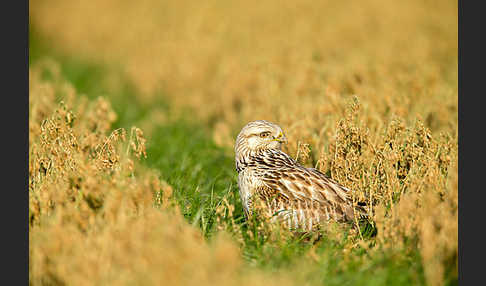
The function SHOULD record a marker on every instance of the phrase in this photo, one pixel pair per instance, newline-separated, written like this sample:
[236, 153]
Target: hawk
[302, 198]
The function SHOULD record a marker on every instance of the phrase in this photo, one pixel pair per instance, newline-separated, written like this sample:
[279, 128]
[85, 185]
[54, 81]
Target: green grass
[202, 175]
[195, 167]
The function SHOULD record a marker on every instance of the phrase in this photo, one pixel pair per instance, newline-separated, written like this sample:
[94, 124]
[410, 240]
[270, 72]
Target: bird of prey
[299, 197]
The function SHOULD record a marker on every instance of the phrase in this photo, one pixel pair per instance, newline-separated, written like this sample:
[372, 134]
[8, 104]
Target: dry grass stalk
[97, 217]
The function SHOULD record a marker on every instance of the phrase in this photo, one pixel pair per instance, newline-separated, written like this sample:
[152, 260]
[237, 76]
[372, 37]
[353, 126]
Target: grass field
[133, 112]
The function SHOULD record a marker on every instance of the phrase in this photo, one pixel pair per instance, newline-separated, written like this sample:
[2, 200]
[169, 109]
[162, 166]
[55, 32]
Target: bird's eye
[264, 134]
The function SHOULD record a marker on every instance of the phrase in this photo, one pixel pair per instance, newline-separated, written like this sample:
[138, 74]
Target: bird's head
[258, 136]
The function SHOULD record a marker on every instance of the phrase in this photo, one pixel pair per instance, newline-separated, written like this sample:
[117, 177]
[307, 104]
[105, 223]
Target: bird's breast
[248, 183]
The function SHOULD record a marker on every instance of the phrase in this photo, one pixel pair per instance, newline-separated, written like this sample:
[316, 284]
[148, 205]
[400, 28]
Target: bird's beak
[281, 138]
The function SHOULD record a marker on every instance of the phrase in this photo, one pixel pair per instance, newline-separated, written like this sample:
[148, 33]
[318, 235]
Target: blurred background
[294, 63]
[191, 73]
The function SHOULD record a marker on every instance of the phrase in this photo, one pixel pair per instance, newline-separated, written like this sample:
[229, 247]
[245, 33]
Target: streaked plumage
[301, 197]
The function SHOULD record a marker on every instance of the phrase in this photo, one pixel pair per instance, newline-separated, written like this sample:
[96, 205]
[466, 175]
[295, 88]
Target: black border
[471, 126]
[14, 21]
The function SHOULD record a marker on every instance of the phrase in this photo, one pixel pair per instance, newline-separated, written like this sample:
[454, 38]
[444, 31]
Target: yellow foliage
[93, 221]
[365, 90]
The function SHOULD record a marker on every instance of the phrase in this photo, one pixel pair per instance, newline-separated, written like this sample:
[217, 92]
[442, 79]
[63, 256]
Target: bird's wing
[309, 189]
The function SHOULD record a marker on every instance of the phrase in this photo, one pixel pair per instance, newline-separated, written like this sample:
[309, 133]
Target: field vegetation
[133, 112]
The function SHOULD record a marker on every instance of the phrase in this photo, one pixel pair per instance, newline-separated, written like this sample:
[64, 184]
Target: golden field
[365, 91]
[96, 216]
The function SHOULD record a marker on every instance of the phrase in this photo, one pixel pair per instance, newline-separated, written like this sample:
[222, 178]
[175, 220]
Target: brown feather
[302, 197]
